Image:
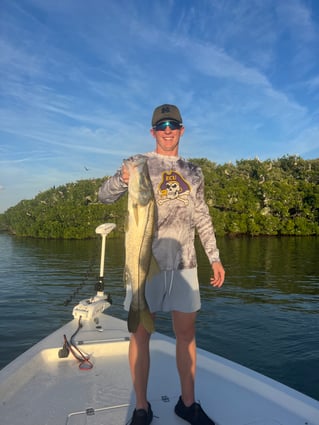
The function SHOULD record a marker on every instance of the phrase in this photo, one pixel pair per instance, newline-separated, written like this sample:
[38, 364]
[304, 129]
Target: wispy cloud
[79, 83]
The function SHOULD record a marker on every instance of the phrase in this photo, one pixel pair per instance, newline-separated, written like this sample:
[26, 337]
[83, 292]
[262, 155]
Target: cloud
[307, 142]
[79, 83]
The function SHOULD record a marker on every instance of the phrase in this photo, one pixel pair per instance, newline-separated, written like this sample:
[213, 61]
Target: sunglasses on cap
[173, 125]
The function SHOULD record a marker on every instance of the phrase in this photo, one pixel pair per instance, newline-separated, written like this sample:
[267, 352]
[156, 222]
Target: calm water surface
[264, 317]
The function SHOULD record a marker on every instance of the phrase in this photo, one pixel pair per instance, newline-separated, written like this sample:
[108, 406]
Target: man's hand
[125, 174]
[218, 274]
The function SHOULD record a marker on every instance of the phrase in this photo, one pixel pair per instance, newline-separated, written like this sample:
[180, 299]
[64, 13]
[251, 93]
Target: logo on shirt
[173, 186]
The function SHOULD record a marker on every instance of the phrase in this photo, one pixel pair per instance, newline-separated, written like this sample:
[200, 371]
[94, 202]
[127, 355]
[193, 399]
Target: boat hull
[40, 388]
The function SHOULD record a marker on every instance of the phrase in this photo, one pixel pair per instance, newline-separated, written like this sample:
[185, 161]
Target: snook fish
[138, 241]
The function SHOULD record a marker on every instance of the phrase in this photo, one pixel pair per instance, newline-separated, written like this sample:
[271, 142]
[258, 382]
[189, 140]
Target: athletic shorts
[170, 290]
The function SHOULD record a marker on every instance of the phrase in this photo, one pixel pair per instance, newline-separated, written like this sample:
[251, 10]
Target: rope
[84, 360]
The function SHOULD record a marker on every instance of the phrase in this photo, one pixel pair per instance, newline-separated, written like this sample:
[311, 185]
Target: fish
[139, 229]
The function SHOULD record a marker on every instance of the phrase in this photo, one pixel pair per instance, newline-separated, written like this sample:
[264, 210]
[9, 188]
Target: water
[264, 317]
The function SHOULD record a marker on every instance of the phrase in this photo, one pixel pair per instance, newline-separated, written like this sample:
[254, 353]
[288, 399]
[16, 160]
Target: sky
[79, 81]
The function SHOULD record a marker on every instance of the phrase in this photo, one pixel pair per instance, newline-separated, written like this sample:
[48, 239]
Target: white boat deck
[39, 388]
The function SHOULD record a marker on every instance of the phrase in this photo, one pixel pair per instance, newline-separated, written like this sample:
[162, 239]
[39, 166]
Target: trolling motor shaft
[90, 308]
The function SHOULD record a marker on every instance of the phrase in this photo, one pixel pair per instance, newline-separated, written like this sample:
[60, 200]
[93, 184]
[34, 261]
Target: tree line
[250, 197]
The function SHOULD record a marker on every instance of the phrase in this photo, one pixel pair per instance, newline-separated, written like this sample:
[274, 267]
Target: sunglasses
[173, 125]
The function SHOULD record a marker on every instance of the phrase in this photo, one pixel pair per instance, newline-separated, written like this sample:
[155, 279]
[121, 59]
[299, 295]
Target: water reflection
[270, 270]
[265, 315]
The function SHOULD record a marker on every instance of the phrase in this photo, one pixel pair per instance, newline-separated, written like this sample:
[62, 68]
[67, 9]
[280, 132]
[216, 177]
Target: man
[179, 194]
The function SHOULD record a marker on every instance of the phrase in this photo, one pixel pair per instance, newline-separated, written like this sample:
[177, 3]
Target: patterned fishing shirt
[178, 187]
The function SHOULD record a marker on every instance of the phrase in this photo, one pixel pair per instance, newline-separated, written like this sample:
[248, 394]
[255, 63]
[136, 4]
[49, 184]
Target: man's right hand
[125, 174]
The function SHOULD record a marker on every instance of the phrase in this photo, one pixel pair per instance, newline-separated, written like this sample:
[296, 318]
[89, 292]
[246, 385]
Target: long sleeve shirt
[178, 187]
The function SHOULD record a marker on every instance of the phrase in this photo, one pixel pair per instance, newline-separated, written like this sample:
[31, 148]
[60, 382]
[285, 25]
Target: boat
[79, 375]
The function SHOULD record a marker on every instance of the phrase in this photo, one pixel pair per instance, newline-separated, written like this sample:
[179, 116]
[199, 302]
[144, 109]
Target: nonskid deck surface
[40, 388]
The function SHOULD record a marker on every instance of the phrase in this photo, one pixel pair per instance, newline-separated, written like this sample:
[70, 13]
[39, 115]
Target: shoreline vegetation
[252, 197]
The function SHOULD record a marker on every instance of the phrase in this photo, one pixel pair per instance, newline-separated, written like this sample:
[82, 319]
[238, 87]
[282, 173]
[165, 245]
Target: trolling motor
[90, 308]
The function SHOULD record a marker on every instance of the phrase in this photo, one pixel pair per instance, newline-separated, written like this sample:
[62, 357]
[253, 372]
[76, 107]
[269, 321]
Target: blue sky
[79, 81]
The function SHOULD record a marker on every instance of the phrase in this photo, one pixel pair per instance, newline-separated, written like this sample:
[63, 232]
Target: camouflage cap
[166, 112]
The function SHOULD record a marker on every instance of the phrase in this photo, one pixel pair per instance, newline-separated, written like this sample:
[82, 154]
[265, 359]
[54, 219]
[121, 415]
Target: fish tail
[133, 320]
[135, 317]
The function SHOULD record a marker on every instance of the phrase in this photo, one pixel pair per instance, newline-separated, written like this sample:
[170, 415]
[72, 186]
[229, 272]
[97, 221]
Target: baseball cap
[166, 112]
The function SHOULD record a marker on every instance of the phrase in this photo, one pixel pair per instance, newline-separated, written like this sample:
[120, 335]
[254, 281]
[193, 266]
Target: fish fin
[126, 276]
[133, 320]
[135, 317]
[153, 269]
[147, 320]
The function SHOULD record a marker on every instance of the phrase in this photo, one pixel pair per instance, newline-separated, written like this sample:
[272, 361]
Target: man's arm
[113, 188]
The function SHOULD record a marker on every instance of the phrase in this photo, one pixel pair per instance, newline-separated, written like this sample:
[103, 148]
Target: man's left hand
[219, 274]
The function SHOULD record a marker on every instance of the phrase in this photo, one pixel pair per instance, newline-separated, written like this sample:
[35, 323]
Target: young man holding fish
[178, 201]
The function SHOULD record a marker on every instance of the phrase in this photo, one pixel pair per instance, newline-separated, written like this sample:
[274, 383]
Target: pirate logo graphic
[173, 186]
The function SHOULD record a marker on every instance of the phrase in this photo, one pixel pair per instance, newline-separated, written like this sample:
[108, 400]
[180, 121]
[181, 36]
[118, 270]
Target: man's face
[167, 139]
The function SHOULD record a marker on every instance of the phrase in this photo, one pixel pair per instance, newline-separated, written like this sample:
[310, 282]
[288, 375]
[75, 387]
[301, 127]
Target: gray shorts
[171, 290]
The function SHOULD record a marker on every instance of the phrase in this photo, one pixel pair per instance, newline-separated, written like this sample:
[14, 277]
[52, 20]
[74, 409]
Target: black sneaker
[142, 417]
[193, 414]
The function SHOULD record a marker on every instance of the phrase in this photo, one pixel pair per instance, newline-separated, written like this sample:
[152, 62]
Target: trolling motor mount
[91, 308]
